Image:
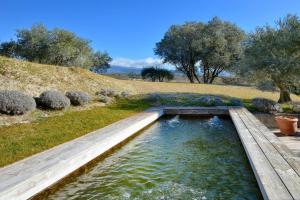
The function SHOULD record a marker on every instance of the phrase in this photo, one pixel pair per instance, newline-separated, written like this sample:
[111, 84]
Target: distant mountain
[123, 70]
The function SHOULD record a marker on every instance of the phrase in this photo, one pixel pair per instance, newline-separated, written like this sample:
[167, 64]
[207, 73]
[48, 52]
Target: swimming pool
[177, 157]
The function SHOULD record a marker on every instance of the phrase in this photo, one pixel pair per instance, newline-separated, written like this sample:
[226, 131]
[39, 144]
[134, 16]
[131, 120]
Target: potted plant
[287, 124]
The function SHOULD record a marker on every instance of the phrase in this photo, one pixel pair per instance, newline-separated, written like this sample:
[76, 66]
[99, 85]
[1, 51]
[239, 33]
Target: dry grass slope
[34, 78]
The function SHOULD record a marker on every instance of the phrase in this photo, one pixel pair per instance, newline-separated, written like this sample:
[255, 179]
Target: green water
[175, 158]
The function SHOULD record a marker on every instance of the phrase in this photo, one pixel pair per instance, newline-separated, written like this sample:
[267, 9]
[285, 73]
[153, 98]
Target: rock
[236, 102]
[266, 105]
[296, 107]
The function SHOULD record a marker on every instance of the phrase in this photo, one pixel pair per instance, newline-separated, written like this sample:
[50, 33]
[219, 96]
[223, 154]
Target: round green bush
[78, 98]
[53, 100]
[15, 102]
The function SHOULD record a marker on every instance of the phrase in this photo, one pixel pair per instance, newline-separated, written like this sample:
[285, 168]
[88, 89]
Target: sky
[129, 29]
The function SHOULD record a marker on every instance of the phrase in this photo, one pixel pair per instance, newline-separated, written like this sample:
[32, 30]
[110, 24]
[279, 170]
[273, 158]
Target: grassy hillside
[34, 78]
[40, 130]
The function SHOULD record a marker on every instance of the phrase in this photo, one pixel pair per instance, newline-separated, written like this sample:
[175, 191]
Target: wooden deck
[292, 142]
[276, 168]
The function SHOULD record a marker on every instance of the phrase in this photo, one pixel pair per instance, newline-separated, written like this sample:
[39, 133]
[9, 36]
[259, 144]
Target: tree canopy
[156, 73]
[57, 46]
[274, 53]
[216, 46]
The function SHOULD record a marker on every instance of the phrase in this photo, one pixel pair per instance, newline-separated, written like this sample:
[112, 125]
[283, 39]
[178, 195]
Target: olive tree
[274, 53]
[220, 48]
[57, 47]
[178, 48]
[156, 73]
[216, 45]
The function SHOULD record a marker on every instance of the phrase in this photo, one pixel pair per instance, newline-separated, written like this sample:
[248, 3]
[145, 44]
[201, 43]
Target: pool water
[175, 158]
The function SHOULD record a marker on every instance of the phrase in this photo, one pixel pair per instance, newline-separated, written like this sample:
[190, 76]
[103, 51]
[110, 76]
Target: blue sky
[129, 29]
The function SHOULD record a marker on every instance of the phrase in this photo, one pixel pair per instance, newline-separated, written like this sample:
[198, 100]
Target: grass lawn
[22, 140]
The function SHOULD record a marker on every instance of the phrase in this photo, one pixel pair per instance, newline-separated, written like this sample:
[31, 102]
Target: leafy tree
[178, 48]
[156, 73]
[215, 45]
[57, 46]
[273, 53]
[33, 44]
[220, 48]
[8, 49]
[149, 73]
[69, 50]
[101, 61]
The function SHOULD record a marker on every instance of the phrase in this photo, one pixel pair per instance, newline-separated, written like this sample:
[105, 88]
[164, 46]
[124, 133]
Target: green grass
[22, 140]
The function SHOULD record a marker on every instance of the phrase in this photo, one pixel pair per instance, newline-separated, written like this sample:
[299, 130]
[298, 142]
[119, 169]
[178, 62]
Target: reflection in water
[175, 158]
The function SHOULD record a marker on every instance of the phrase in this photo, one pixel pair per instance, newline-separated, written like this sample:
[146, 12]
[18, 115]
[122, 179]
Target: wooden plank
[268, 180]
[287, 174]
[30, 176]
[275, 141]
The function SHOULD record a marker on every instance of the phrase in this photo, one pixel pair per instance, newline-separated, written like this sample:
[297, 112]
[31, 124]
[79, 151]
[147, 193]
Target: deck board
[270, 184]
[284, 166]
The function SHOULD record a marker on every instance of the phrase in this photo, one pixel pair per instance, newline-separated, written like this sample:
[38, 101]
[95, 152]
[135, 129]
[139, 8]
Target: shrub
[296, 107]
[15, 103]
[211, 101]
[125, 94]
[266, 105]
[106, 92]
[78, 98]
[104, 99]
[53, 100]
[236, 102]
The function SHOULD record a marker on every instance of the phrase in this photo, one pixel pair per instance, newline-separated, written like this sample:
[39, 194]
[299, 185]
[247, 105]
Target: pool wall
[276, 172]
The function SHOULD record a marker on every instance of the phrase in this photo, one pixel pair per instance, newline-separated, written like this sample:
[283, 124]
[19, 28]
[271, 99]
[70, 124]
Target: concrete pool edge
[26, 178]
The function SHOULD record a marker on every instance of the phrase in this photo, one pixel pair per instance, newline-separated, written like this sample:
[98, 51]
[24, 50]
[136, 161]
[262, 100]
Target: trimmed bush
[266, 105]
[211, 101]
[125, 94]
[104, 99]
[236, 102]
[15, 103]
[53, 100]
[78, 98]
[107, 92]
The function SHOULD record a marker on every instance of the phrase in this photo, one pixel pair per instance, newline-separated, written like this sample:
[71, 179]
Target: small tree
[220, 48]
[149, 73]
[101, 62]
[216, 45]
[178, 48]
[156, 73]
[273, 53]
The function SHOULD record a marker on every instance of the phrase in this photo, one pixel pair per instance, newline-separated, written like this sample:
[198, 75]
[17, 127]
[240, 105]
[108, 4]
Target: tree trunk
[284, 96]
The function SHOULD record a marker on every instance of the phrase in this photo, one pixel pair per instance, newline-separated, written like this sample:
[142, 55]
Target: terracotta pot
[287, 125]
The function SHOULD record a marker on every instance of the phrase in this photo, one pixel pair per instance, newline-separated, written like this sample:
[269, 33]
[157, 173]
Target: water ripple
[175, 158]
